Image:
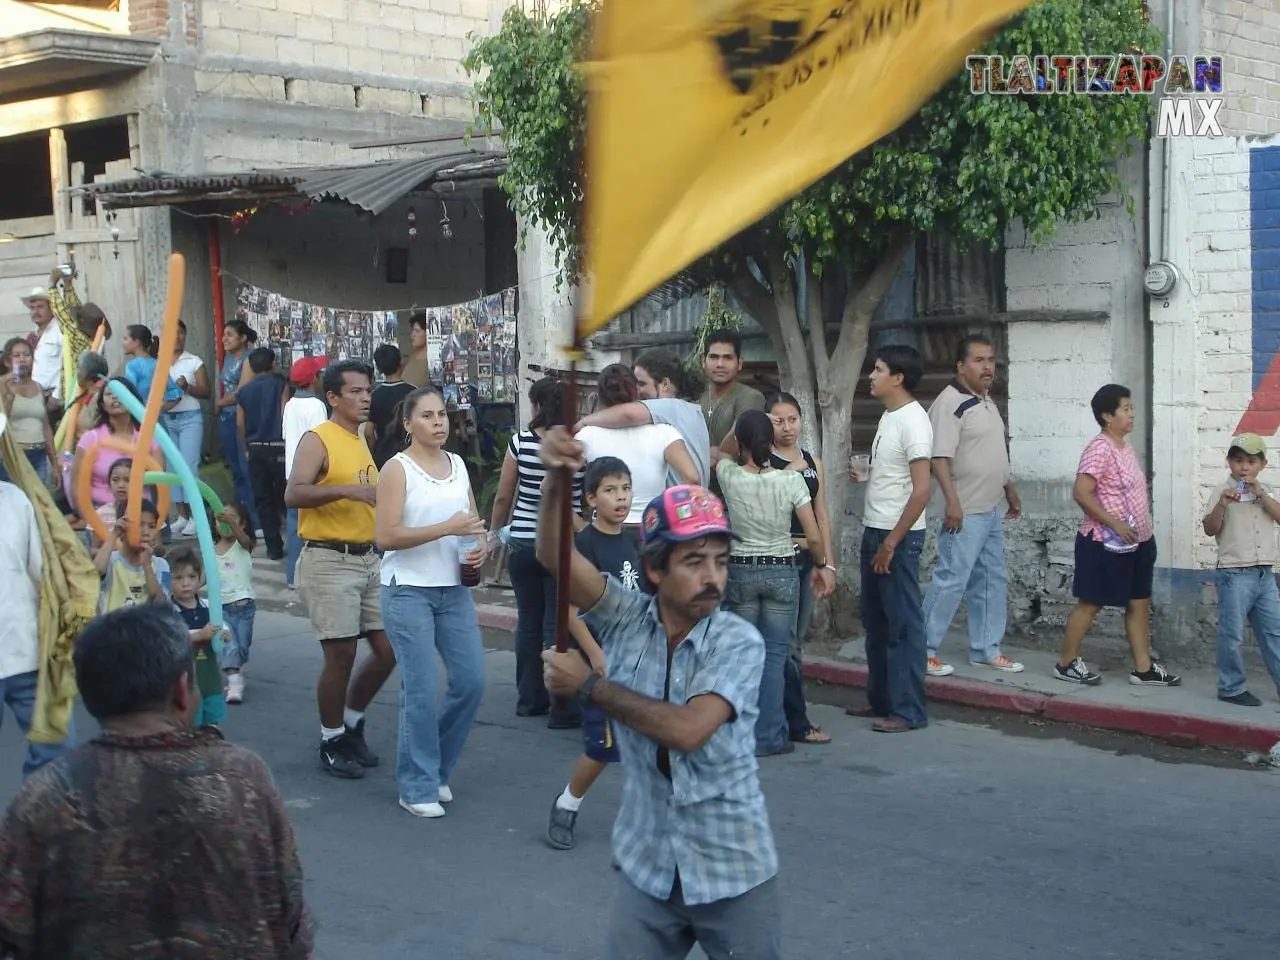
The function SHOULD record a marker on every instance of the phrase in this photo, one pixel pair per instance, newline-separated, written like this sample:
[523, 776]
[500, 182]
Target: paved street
[957, 842]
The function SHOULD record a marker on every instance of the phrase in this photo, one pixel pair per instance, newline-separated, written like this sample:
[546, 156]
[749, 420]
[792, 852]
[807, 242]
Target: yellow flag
[704, 115]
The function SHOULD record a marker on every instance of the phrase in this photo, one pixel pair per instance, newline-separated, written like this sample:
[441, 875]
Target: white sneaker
[235, 688]
[446, 795]
[428, 810]
[936, 668]
[182, 527]
[1002, 663]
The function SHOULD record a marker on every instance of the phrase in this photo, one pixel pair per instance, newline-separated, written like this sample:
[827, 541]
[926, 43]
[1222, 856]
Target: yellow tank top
[350, 462]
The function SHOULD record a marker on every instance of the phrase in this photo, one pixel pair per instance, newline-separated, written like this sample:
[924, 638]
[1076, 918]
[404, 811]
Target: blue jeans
[421, 622]
[970, 565]
[793, 704]
[894, 621]
[292, 545]
[1247, 593]
[38, 459]
[239, 617]
[187, 431]
[233, 453]
[535, 591]
[768, 597]
[19, 692]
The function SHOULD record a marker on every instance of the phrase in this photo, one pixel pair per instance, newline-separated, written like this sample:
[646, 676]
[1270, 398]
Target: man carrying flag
[692, 840]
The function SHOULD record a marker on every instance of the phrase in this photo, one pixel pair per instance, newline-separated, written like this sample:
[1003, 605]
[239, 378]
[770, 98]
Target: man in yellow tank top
[333, 486]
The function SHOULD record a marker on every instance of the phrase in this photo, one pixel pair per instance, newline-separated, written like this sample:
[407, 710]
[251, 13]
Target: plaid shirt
[1119, 484]
[708, 822]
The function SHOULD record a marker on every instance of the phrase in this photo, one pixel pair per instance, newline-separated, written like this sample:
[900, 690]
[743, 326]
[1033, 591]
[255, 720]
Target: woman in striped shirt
[517, 500]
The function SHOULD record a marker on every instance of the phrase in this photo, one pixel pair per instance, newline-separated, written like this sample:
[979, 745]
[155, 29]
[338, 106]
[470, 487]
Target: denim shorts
[598, 742]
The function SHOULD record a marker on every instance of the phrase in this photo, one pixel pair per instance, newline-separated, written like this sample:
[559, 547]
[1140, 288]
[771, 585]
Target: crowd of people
[702, 540]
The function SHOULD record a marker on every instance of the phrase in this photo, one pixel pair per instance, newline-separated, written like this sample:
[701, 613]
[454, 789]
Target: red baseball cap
[685, 512]
[305, 370]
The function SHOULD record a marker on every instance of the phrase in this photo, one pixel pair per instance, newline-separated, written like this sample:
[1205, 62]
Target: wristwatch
[584, 692]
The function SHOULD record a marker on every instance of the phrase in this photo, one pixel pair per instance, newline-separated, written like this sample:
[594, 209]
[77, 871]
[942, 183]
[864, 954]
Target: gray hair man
[971, 466]
[154, 838]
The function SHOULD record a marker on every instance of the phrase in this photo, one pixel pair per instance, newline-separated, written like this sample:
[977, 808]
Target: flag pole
[563, 561]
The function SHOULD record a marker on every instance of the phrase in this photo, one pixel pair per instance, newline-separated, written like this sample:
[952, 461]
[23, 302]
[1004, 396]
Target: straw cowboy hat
[39, 293]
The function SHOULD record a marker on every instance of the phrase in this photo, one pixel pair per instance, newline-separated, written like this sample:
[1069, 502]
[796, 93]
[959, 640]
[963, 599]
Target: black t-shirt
[389, 436]
[263, 401]
[810, 474]
[617, 554]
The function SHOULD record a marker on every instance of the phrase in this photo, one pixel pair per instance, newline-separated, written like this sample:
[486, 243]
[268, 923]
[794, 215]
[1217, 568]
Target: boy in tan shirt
[1243, 519]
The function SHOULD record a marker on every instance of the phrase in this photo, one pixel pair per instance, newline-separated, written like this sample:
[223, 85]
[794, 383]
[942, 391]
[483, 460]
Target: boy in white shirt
[303, 411]
[894, 522]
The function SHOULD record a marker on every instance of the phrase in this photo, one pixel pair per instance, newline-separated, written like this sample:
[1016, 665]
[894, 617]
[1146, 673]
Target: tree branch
[862, 302]
[755, 299]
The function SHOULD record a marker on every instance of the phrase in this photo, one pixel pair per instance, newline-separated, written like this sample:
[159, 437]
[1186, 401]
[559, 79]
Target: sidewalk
[1189, 715]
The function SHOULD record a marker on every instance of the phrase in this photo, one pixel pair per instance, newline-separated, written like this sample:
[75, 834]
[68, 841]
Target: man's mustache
[711, 593]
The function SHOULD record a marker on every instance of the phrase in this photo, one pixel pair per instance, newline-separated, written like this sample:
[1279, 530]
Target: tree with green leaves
[813, 272]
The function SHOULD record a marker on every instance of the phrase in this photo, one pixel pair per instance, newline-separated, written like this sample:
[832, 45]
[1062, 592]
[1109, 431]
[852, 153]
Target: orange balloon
[84, 487]
[155, 399]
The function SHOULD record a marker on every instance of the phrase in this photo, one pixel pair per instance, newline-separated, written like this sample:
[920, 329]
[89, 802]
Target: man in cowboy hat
[46, 345]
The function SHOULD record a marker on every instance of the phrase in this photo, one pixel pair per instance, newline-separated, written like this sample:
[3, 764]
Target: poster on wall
[471, 347]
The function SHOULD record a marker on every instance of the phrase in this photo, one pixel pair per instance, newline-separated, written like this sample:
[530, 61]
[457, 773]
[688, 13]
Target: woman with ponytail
[516, 503]
[763, 584]
[140, 346]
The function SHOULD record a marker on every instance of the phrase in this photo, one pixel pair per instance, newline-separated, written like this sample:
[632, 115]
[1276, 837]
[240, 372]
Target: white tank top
[428, 501]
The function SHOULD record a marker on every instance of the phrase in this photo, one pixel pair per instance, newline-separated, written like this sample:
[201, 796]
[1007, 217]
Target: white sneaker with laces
[446, 795]
[428, 810]
[235, 688]
[182, 527]
[936, 668]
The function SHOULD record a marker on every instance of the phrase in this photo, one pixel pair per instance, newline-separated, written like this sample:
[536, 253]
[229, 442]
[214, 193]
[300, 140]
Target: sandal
[813, 735]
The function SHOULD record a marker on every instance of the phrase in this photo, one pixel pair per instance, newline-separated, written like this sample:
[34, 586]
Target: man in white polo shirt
[971, 464]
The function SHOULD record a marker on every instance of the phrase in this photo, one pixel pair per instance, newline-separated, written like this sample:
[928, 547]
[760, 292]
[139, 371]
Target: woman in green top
[763, 587]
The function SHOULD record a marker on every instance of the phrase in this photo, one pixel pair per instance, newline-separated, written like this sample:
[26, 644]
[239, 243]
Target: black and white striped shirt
[524, 448]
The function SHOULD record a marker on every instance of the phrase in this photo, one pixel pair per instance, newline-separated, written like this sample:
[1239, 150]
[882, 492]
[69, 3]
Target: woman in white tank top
[647, 450]
[425, 507]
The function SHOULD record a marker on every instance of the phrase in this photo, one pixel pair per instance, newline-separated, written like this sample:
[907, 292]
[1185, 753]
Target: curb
[496, 616]
[1188, 731]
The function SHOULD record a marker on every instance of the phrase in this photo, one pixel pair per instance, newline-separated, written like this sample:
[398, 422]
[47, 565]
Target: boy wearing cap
[303, 411]
[692, 840]
[1242, 520]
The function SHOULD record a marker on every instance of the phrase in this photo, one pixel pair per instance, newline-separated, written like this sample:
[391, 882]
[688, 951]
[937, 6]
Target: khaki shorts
[342, 592]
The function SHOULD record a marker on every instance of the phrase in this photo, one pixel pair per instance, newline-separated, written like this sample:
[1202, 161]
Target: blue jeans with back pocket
[768, 597]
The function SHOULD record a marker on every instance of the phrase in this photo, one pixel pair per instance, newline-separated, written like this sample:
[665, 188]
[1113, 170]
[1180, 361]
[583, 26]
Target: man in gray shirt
[666, 398]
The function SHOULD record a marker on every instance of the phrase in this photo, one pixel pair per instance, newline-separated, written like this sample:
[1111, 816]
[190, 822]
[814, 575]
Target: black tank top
[810, 474]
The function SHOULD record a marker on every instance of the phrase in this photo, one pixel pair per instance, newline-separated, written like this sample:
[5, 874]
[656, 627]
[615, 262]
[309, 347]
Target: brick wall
[1247, 34]
[420, 39]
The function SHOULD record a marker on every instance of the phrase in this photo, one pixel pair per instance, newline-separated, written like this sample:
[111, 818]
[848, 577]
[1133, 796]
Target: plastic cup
[471, 575]
[860, 467]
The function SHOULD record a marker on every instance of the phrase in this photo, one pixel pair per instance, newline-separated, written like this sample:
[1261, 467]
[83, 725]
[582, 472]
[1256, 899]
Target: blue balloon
[191, 488]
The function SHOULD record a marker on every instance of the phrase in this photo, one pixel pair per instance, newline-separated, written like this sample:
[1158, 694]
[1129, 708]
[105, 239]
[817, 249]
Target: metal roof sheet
[371, 186]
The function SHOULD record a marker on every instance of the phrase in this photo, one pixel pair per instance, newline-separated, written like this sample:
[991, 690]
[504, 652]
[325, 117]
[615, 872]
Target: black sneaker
[1077, 671]
[560, 828]
[337, 758]
[1244, 699]
[1157, 676]
[359, 749]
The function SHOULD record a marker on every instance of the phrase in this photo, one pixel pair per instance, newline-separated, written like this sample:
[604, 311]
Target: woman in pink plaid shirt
[1115, 549]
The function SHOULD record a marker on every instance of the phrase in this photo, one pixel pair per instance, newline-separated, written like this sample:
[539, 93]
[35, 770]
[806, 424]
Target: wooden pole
[567, 507]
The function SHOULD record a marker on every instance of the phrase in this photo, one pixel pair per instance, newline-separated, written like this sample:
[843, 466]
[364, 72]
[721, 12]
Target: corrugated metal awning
[371, 186]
